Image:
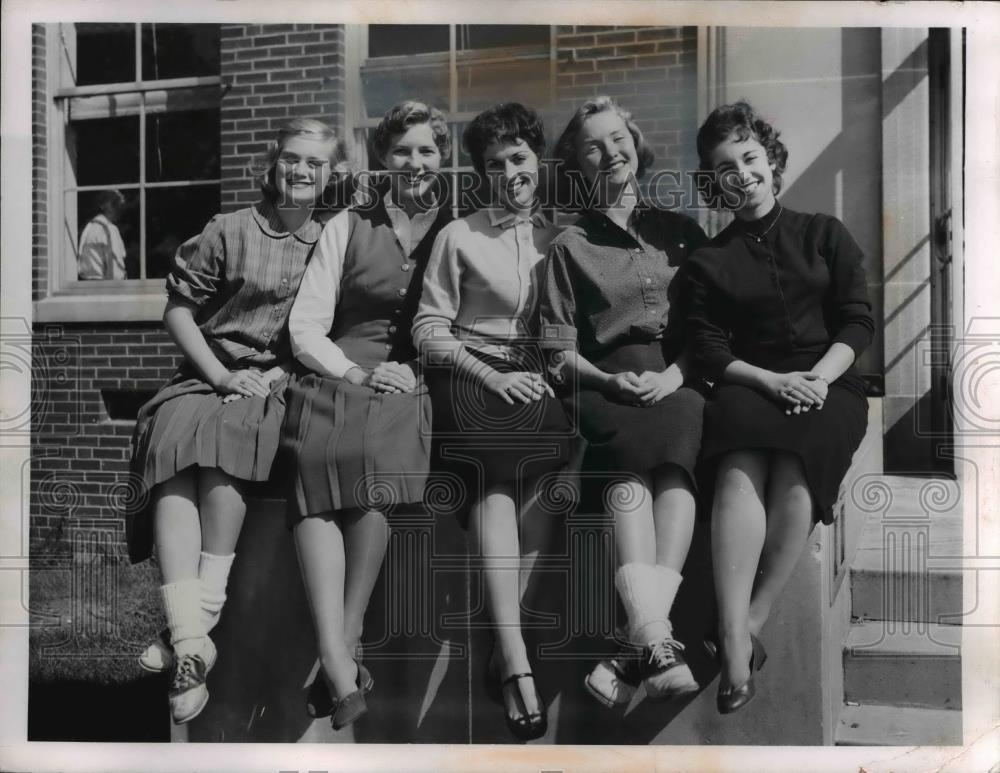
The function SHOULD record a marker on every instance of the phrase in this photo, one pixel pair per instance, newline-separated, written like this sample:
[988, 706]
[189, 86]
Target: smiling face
[412, 158]
[303, 170]
[512, 168]
[745, 176]
[606, 150]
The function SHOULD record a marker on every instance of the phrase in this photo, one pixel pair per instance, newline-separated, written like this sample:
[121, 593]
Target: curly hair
[506, 122]
[566, 150]
[401, 117]
[742, 120]
[297, 127]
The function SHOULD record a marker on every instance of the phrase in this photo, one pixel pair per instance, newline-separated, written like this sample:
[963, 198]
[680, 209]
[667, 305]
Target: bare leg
[493, 530]
[176, 527]
[673, 516]
[537, 528]
[366, 536]
[223, 508]
[320, 545]
[789, 523]
[632, 507]
[738, 526]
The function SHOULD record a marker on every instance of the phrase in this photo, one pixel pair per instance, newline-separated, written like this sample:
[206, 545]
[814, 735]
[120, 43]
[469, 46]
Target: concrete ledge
[427, 642]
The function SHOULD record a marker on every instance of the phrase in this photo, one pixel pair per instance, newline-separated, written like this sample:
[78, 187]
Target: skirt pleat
[346, 446]
[187, 424]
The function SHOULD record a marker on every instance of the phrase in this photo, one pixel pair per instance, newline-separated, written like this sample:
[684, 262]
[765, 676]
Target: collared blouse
[481, 286]
[240, 276]
[606, 286]
[784, 285]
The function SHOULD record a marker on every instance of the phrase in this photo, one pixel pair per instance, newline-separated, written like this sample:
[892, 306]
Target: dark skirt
[347, 446]
[623, 438]
[741, 418]
[480, 441]
[186, 424]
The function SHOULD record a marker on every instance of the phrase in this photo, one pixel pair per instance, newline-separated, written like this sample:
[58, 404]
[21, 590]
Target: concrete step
[907, 566]
[913, 592]
[893, 726]
[904, 664]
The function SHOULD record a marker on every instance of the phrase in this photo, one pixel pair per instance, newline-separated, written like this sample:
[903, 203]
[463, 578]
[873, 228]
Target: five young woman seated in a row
[331, 343]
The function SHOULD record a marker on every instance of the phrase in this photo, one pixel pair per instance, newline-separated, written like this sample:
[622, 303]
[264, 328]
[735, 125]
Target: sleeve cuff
[858, 337]
[558, 337]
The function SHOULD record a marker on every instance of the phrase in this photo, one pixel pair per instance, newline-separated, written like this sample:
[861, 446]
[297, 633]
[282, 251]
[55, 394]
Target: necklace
[760, 237]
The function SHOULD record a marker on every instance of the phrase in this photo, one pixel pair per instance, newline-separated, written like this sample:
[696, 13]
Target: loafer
[319, 702]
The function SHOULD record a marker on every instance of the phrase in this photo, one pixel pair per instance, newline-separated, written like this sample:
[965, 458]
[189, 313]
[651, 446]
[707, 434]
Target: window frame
[69, 299]
[356, 122]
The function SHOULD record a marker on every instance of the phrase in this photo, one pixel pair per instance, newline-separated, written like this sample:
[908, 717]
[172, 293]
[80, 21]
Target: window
[460, 68]
[134, 137]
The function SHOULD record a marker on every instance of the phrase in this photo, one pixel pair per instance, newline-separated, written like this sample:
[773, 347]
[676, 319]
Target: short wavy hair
[740, 119]
[566, 150]
[506, 122]
[264, 170]
[401, 117]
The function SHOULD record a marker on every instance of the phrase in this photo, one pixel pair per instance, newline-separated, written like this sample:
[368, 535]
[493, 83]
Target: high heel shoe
[527, 727]
[319, 702]
[736, 698]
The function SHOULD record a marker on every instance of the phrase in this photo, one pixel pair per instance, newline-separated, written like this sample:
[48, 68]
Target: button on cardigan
[797, 290]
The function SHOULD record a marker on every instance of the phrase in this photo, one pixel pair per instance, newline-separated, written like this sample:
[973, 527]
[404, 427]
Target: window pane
[483, 84]
[501, 35]
[400, 39]
[107, 236]
[182, 146]
[172, 216]
[179, 50]
[105, 151]
[105, 53]
[383, 87]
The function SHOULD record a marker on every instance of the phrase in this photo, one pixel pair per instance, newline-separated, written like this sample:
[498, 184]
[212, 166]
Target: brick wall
[275, 72]
[272, 72]
[80, 453]
[649, 70]
[39, 165]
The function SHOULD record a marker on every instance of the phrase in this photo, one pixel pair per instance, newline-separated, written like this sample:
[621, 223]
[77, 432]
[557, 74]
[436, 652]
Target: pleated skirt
[741, 418]
[187, 424]
[346, 446]
[480, 441]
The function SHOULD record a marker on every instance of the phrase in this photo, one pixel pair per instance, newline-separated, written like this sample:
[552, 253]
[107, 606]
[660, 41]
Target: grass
[91, 618]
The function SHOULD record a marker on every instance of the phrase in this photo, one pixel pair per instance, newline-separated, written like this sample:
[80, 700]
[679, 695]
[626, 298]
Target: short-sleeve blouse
[607, 286]
[240, 276]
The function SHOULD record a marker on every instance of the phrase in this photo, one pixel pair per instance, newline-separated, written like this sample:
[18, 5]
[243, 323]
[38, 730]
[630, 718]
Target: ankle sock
[638, 586]
[182, 604]
[213, 573]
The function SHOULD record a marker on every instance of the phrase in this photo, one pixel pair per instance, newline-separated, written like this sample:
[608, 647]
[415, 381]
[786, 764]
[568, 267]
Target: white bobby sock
[182, 604]
[213, 573]
[638, 586]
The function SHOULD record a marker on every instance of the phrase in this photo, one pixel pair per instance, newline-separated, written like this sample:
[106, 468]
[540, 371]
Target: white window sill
[118, 307]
